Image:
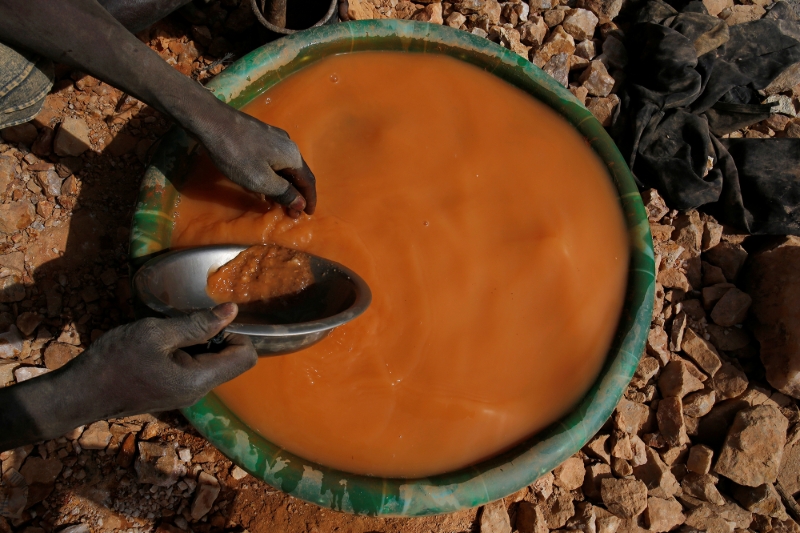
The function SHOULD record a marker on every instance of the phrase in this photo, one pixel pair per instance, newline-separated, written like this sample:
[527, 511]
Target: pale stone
[626, 498]
[72, 138]
[754, 446]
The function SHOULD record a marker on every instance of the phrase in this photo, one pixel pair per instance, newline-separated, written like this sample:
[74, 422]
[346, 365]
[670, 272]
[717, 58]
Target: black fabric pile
[690, 80]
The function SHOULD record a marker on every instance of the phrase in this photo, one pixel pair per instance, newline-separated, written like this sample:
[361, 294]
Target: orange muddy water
[259, 273]
[489, 234]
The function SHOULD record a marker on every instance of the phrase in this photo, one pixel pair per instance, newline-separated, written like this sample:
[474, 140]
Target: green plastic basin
[488, 480]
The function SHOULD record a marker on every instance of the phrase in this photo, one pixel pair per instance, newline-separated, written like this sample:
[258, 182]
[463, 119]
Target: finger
[304, 181]
[293, 201]
[237, 357]
[198, 327]
[343, 10]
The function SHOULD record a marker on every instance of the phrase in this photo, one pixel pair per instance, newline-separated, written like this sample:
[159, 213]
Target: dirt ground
[69, 252]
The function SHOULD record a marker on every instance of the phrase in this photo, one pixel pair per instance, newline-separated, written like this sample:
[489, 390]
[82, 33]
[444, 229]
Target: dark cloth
[692, 79]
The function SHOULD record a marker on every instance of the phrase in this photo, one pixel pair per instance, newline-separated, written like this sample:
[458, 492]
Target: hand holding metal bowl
[174, 284]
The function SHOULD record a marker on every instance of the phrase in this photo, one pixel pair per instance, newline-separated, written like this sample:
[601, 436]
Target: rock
[600, 448]
[701, 352]
[596, 79]
[50, 182]
[431, 13]
[96, 436]
[603, 110]
[544, 485]
[657, 344]
[781, 104]
[7, 372]
[728, 256]
[621, 445]
[621, 467]
[126, 451]
[8, 171]
[741, 14]
[704, 518]
[587, 50]
[713, 294]
[713, 427]
[558, 68]
[712, 275]
[729, 382]
[699, 460]
[632, 416]
[763, 500]
[595, 474]
[158, 464]
[11, 287]
[538, 6]
[28, 322]
[23, 134]
[533, 32]
[57, 354]
[557, 42]
[677, 380]
[727, 339]
[569, 474]
[515, 12]
[554, 17]
[715, 7]
[673, 278]
[789, 474]
[69, 336]
[579, 93]
[24, 373]
[656, 476]
[663, 515]
[72, 138]
[626, 498]
[639, 451]
[772, 281]
[15, 216]
[753, 449]
[606, 522]
[785, 80]
[557, 509]
[455, 20]
[208, 490]
[509, 38]
[655, 205]
[490, 8]
[732, 308]
[11, 343]
[238, 473]
[530, 519]
[580, 23]
[670, 421]
[703, 487]
[38, 470]
[606, 10]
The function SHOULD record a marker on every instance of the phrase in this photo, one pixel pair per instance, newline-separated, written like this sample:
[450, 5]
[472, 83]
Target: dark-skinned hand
[260, 158]
[137, 368]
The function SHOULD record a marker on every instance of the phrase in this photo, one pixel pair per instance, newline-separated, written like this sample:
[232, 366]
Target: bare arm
[133, 369]
[81, 33]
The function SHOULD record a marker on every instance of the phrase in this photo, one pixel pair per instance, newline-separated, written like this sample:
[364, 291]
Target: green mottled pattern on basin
[491, 479]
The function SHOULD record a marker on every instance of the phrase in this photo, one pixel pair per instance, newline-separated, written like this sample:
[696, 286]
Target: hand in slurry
[84, 35]
[132, 369]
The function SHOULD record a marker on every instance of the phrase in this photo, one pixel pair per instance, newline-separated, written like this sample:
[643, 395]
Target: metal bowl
[174, 284]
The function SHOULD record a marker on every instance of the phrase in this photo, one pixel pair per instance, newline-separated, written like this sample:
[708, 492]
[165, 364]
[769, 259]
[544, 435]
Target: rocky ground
[701, 441]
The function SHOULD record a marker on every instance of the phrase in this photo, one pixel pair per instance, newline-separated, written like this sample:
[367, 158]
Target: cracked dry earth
[700, 442]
